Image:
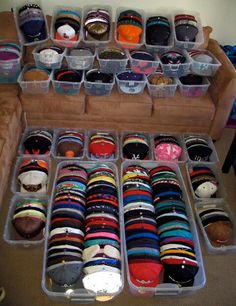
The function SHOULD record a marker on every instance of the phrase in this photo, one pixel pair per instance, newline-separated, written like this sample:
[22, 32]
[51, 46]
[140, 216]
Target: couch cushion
[181, 110]
[54, 103]
[120, 105]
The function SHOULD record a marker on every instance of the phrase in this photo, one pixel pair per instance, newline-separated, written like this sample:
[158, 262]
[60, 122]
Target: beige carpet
[20, 269]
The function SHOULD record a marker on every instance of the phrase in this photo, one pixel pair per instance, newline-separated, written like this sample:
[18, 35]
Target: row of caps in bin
[66, 81]
[32, 175]
[173, 63]
[109, 145]
[93, 25]
[32, 178]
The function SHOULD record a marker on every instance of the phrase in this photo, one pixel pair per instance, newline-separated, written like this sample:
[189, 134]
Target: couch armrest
[206, 33]
[223, 84]
[222, 89]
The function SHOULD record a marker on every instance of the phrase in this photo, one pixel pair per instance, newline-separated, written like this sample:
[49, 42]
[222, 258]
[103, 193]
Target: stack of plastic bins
[167, 288]
[10, 234]
[65, 43]
[10, 69]
[127, 45]
[160, 48]
[21, 37]
[33, 87]
[114, 134]
[199, 38]
[183, 157]
[218, 201]
[148, 137]
[52, 63]
[76, 293]
[59, 132]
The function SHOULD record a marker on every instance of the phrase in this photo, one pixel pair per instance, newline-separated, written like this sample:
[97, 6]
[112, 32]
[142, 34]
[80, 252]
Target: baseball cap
[147, 274]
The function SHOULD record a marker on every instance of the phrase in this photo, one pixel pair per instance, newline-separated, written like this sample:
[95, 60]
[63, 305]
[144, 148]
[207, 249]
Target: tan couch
[208, 114]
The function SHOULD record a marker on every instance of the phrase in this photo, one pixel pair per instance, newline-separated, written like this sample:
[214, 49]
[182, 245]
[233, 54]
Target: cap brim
[41, 190]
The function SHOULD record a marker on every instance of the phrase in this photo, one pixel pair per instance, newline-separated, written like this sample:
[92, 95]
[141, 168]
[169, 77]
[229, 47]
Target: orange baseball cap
[129, 33]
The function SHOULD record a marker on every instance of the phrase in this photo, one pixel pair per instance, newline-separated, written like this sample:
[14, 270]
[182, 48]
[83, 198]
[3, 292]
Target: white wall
[219, 14]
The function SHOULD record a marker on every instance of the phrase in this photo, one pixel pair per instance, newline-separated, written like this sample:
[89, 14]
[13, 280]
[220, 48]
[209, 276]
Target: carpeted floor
[20, 269]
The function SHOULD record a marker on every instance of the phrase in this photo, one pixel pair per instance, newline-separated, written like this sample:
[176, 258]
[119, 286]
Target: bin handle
[84, 300]
[174, 67]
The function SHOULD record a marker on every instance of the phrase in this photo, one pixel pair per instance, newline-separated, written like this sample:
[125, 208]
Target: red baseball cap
[146, 274]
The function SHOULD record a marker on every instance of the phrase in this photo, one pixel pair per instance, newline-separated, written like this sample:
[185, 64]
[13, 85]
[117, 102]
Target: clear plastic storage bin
[65, 43]
[15, 185]
[199, 38]
[131, 87]
[59, 132]
[80, 62]
[161, 48]
[10, 69]
[10, 235]
[221, 192]
[98, 88]
[33, 87]
[183, 157]
[143, 66]
[116, 139]
[95, 6]
[111, 65]
[162, 91]
[176, 70]
[213, 157]
[167, 289]
[67, 88]
[148, 136]
[17, 5]
[194, 91]
[126, 45]
[77, 293]
[205, 69]
[26, 133]
[218, 204]
[51, 63]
